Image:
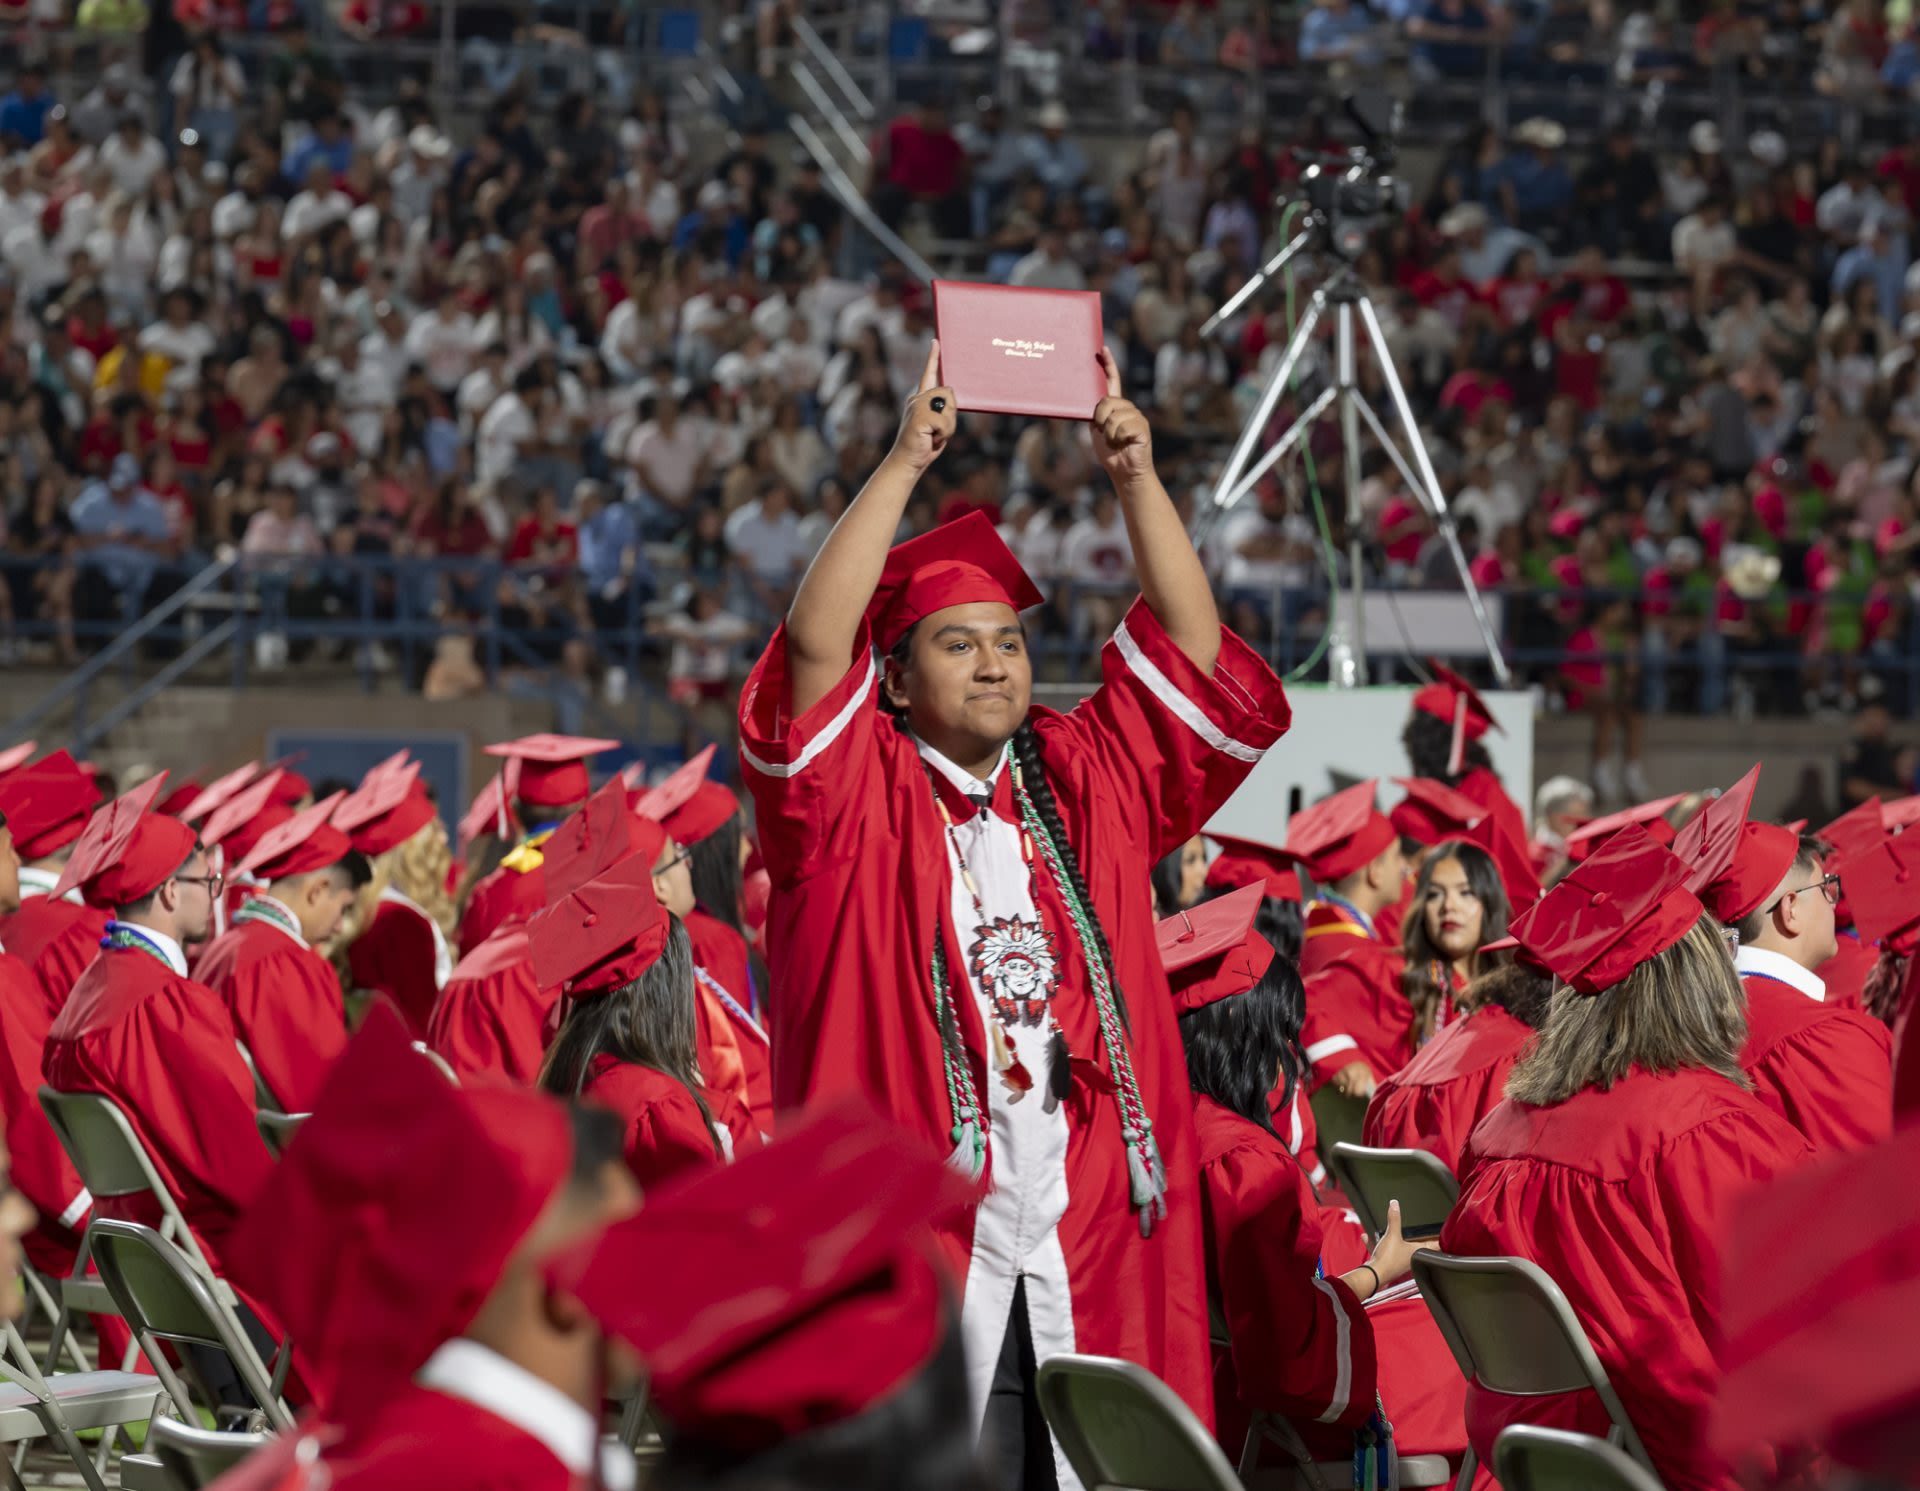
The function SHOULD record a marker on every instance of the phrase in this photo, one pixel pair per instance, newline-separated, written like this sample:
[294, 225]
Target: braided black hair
[1880, 995]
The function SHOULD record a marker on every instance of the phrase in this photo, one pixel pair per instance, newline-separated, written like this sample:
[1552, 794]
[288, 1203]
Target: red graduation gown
[722, 953]
[1828, 1072]
[164, 1049]
[1302, 1345]
[666, 1133]
[41, 1170]
[513, 892]
[57, 940]
[396, 956]
[284, 999]
[1621, 1196]
[431, 1441]
[1356, 1010]
[492, 1017]
[861, 886]
[1845, 973]
[1460, 1076]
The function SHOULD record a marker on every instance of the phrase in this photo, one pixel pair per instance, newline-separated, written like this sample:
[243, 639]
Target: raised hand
[931, 417]
[1122, 438]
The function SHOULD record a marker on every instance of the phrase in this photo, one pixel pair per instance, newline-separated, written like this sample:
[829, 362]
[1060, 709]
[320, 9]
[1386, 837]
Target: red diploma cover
[1014, 351]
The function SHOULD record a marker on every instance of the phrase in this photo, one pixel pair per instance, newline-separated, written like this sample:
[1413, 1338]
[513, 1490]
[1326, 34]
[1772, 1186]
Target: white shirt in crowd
[444, 346]
[667, 463]
[774, 548]
[310, 211]
[505, 428]
[1096, 553]
[132, 166]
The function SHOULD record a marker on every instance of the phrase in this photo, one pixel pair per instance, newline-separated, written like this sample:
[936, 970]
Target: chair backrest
[1513, 1332]
[1336, 1118]
[102, 1145]
[1120, 1426]
[262, 1094]
[440, 1062]
[1425, 1188]
[197, 1457]
[163, 1297]
[1528, 1458]
[278, 1129]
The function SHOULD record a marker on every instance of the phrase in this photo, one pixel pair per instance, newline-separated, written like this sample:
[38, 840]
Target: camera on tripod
[1352, 194]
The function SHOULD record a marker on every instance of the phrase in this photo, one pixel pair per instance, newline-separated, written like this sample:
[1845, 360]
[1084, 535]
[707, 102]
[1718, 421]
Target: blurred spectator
[917, 159]
[24, 108]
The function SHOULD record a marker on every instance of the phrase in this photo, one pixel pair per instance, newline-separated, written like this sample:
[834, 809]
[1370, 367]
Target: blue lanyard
[1352, 910]
[122, 935]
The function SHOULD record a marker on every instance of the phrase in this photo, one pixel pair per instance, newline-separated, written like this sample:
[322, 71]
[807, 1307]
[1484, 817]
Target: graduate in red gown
[230, 831]
[627, 1040]
[1359, 1024]
[56, 937]
[402, 949]
[1429, 814]
[1828, 1072]
[281, 991]
[137, 1030]
[1459, 906]
[1302, 1342]
[42, 1173]
[494, 1018]
[1460, 1076]
[1821, 1279]
[544, 780]
[703, 818]
[1627, 1130]
[1443, 741]
[960, 908]
[810, 1338]
[1845, 974]
[410, 1282]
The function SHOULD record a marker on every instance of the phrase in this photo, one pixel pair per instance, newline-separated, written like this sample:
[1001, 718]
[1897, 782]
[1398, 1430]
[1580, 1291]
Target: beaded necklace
[265, 909]
[122, 936]
[1146, 1171]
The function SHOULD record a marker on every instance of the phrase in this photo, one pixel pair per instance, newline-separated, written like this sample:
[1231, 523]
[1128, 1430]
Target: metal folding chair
[194, 1457]
[1529, 1458]
[165, 1298]
[278, 1129]
[439, 1061]
[1122, 1427]
[1337, 1119]
[263, 1097]
[1306, 1474]
[57, 1405]
[1425, 1188]
[1513, 1332]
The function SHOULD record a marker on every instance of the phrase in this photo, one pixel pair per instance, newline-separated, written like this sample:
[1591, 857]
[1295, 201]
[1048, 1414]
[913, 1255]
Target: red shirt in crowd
[923, 162]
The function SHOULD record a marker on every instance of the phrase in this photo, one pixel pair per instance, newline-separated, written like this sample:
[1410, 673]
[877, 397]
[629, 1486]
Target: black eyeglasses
[1827, 885]
[214, 883]
[679, 859]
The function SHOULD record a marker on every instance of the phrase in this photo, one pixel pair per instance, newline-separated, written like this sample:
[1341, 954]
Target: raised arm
[825, 615]
[1172, 580]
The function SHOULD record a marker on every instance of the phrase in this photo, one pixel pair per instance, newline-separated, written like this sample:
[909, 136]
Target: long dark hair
[1237, 1046]
[1165, 876]
[1880, 994]
[714, 863]
[1427, 979]
[1429, 744]
[649, 1022]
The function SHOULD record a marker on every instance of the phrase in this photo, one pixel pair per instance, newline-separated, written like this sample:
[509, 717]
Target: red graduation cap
[673, 791]
[289, 787]
[16, 756]
[1338, 834]
[221, 791]
[1451, 698]
[1857, 829]
[1432, 811]
[389, 1219]
[1882, 885]
[1213, 952]
[1735, 864]
[804, 1283]
[47, 804]
[127, 851]
[305, 842]
[595, 839]
[691, 807]
[958, 564]
[237, 825]
[549, 771]
[601, 937]
[1626, 903]
[491, 813]
[1242, 862]
[1648, 815]
[180, 799]
[1817, 1263]
[1902, 813]
[389, 807]
[1515, 865]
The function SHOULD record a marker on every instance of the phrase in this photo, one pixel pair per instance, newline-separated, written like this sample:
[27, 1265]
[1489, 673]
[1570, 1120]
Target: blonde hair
[1683, 1008]
[417, 868]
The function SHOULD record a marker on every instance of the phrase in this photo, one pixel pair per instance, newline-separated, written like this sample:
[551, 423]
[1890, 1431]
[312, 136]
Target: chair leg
[76, 1452]
[1468, 1463]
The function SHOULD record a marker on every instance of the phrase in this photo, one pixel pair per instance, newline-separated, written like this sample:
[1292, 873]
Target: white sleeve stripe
[1321, 1050]
[1319, 1176]
[76, 1209]
[834, 729]
[1177, 703]
[1298, 1134]
[1343, 1353]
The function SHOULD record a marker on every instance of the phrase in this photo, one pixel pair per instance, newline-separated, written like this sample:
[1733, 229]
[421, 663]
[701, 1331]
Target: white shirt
[1093, 554]
[670, 461]
[291, 928]
[35, 881]
[444, 348]
[773, 548]
[1761, 962]
[132, 167]
[163, 944]
[478, 1375]
[310, 211]
[1016, 1232]
[504, 428]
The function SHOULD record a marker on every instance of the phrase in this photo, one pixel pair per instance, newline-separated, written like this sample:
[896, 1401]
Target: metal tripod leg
[1429, 486]
[1230, 488]
[1350, 670]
